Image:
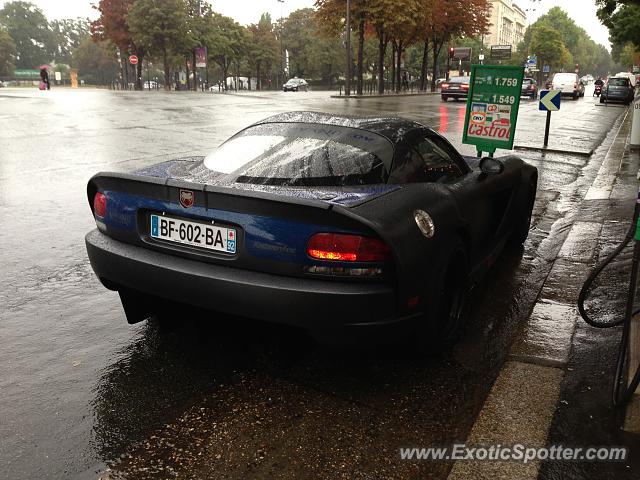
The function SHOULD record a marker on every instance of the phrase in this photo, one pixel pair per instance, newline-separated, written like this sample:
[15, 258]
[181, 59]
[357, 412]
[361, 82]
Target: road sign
[462, 53]
[492, 107]
[546, 69]
[500, 52]
[133, 59]
[481, 57]
[550, 100]
[532, 60]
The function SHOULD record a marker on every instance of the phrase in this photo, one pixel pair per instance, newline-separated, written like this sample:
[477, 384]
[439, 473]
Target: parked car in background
[296, 85]
[456, 87]
[529, 88]
[569, 83]
[618, 89]
[630, 76]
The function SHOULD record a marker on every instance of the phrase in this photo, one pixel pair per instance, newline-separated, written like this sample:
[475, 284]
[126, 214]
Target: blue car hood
[181, 169]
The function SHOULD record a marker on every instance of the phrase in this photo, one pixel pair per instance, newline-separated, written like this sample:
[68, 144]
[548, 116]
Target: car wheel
[601, 99]
[444, 98]
[523, 222]
[443, 317]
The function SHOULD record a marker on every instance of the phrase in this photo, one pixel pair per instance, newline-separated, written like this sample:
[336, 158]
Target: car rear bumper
[316, 305]
[455, 93]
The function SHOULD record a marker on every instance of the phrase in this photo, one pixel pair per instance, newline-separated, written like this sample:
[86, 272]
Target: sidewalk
[554, 387]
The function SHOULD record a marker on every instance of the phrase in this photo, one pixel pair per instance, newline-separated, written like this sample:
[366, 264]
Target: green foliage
[68, 34]
[7, 54]
[29, 30]
[578, 46]
[95, 61]
[547, 44]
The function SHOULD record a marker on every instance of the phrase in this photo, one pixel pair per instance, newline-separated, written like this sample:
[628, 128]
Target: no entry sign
[492, 107]
[133, 59]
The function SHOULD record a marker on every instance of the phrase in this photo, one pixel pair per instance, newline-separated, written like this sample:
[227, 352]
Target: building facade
[508, 23]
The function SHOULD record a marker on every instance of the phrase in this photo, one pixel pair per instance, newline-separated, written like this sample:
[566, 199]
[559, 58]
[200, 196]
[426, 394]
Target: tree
[95, 62]
[7, 53]
[68, 33]
[263, 48]
[29, 30]
[548, 45]
[228, 43]
[452, 19]
[112, 26]
[159, 26]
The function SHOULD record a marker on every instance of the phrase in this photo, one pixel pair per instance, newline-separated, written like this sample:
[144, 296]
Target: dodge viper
[328, 222]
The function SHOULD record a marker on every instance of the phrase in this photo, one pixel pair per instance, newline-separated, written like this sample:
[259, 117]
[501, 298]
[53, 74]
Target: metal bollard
[635, 124]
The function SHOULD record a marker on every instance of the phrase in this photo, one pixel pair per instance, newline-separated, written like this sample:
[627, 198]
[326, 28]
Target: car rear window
[619, 82]
[460, 79]
[526, 81]
[302, 154]
[565, 77]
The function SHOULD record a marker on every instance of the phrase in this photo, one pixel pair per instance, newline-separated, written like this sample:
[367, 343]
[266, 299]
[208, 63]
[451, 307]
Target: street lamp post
[281, 2]
[347, 85]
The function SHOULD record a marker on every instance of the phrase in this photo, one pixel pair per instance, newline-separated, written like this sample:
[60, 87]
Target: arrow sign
[550, 100]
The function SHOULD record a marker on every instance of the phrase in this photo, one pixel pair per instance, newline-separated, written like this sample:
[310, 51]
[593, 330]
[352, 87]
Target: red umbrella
[44, 67]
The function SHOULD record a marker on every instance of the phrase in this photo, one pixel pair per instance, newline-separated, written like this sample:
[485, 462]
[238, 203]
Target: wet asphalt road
[81, 389]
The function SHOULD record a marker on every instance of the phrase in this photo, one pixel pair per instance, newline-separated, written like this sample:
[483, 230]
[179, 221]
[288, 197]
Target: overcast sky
[583, 12]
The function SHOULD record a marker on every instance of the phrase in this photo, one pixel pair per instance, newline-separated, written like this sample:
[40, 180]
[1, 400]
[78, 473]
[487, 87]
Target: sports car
[338, 224]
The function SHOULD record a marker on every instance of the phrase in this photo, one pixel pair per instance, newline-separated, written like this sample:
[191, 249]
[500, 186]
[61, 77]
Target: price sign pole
[492, 107]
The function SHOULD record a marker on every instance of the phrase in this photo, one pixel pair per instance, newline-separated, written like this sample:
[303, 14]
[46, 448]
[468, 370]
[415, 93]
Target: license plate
[455, 88]
[195, 234]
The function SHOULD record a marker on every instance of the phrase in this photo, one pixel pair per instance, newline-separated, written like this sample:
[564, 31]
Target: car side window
[428, 160]
[438, 163]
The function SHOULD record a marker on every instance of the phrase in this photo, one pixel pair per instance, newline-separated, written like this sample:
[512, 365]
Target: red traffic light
[452, 52]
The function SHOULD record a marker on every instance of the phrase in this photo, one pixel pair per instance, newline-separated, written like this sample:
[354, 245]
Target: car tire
[443, 317]
[523, 222]
[444, 98]
[601, 99]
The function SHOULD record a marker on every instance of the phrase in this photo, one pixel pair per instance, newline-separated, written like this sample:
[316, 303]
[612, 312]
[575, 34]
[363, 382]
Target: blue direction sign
[546, 69]
[550, 100]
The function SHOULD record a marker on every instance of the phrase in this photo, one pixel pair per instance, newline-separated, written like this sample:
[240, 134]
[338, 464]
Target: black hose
[619, 397]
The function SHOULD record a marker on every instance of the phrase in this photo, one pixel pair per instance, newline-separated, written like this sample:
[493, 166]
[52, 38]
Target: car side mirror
[491, 166]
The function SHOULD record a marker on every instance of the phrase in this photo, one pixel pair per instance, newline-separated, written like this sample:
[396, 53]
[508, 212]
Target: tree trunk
[195, 71]
[425, 64]
[138, 69]
[167, 76]
[382, 50]
[436, 55]
[186, 67]
[258, 76]
[399, 68]
[361, 25]
[393, 65]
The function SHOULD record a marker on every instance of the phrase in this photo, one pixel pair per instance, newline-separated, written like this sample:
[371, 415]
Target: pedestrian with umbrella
[44, 77]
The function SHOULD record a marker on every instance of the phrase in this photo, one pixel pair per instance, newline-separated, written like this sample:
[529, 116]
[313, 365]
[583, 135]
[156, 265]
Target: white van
[630, 76]
[569, 83]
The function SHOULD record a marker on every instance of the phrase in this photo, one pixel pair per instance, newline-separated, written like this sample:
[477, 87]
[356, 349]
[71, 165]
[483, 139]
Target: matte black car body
[456, 87]
[481, 212]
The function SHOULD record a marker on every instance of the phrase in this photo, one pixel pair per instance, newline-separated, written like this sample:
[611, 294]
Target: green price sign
[492, 107]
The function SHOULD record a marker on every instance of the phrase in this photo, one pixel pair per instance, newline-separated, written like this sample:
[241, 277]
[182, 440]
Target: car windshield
[565, 77]
[619, 82]
[302, 154]
[460, 79]
[293, 82]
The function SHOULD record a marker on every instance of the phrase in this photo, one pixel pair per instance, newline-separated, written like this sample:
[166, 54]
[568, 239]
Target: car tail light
[465, 86]
[100, 204]
[444, 85]
[340, 247]
[575, 85]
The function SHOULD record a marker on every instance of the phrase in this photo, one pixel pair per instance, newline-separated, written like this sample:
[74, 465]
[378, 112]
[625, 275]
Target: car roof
[393, 128]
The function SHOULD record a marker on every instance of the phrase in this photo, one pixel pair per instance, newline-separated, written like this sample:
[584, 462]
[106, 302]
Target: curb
[388, 95]
[522, 402]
